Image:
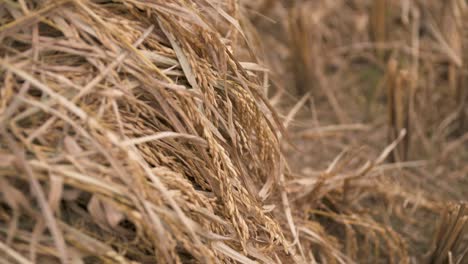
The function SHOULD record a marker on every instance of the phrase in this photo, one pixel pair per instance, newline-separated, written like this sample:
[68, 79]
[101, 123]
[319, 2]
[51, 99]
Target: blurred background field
[365, 70]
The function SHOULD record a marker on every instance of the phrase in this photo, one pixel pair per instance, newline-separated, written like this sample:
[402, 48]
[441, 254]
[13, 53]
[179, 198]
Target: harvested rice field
[233, 131]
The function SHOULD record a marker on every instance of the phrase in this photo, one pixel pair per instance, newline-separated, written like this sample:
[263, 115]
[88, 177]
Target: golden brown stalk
[379, 13]
[452, 31]
[463, 106]
[448, 245]
[303, 45]
[398, 94]
[305, 38]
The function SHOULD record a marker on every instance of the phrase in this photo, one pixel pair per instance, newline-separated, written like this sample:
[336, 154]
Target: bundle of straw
[130, 132]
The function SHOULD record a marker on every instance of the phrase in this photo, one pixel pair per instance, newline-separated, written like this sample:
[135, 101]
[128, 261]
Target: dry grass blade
[39, 194]
[29, 19]
[17, 257]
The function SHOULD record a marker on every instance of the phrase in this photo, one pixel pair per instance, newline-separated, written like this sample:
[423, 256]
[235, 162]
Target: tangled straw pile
[132, 131]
